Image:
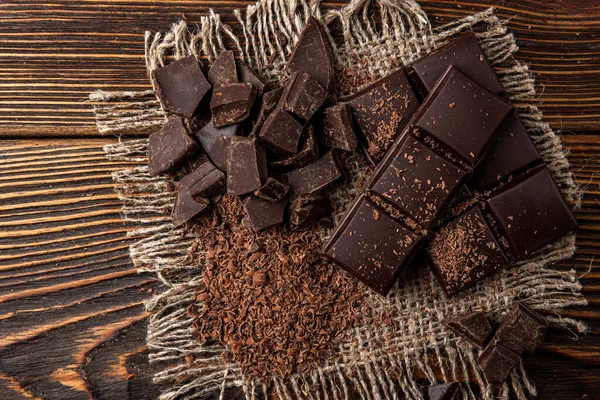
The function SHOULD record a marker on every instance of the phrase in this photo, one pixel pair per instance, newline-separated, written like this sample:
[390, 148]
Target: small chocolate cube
[272, 190]
[337, 127]
[496, 362]
[475, 327]
[263, 213]
[308, 153]
[231, 103]
[281, 132]
[307, 209]
[246, 167]
[303, 96]
[315, 176]
[223, 70]
[181, 86]
[216, 141]
[186, 208]
[246, 74]
[204, 181]
[169, 148]
[521, 330]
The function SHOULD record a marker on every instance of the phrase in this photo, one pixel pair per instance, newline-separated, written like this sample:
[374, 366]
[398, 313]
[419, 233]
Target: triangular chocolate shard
[474, 327]
[223, 70]
[446, 391]
[186, 208]
[313, 55]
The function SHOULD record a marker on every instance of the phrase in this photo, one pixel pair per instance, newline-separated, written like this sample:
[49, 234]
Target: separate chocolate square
[496, 362]
[231, 103]
[267, 106]
[302, 96]
[445, 391]
[263, 213]
[308, 153]
[475, 327]
[170, 147]
[512, 151]
[315, 176]
[382, 110]
[307, 209]
[281, 132]
[216, 141]
[461, 105]
[418, 181]
[521, 330]
[204, 181]
[181, 86]
[246, 74]
[313, 55]
[464, 252]
[466, 55]
[272, 190]
[337, 127]
[223, 70]
[186, 208]
[372, 246]
[531, 212]
[246, 167]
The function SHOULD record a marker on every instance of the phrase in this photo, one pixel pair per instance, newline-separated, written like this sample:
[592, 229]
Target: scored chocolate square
[372, 246]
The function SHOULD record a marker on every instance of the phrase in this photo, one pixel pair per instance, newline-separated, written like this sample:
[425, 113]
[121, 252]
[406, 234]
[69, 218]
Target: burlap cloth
[374, 361]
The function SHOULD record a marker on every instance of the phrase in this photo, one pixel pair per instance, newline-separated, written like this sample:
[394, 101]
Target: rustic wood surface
[72, 324]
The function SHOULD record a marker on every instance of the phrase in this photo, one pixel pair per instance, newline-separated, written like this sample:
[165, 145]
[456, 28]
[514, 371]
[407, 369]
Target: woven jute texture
[373, 361]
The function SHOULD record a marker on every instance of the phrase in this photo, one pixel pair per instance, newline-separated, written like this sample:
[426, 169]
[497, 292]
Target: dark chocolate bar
[308, 153]
[496, 362]
[186, 207]
[246, 74]
[204, 181]
[522, 330]
[309, 208]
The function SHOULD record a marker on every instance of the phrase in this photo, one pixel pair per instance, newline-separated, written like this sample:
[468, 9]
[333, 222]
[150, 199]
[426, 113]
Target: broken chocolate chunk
[186, 208]
[445, 391]
[169, 148]
[309, 152]
[475, 327]
[204, 181]
[313, 55]
[315, 176]
[267, 106]
[263, 213]
[223, 70]
[303, 96]
[281, 132]
[521, 330]
[337, 127]
[231, 103]
[246, 167]
[215, 142]
[496, 362]
[246, 74]
[272, 190]
[309, 208]
[181, 86]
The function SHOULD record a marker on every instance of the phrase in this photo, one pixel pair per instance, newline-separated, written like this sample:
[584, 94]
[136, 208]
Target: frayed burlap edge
[376, 362]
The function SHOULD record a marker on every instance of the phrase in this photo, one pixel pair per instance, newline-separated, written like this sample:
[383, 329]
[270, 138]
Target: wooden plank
[52, 54]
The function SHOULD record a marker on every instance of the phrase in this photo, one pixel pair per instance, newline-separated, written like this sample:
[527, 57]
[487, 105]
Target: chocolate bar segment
[231, 103]
[315, 176]
[223, 70]
[216, 141]
[382, 110]
[170, 147]
[272, 190]
[372, 246]
[181, 86]
[246, 167]
[267, 106]
[464, 54]
[309, 208]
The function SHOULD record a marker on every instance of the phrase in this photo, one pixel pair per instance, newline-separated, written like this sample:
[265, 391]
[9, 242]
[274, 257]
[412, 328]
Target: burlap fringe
[374, 361]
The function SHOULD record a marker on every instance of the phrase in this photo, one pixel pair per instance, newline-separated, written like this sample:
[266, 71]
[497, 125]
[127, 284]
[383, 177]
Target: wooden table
[72, 323]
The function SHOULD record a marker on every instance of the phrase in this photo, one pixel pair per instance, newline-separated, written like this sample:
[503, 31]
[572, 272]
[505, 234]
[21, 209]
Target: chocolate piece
[181, 86]
[530, 212]
[264, 213]
[466, 55]
[312, 55]
[272, 190]
[309, 208]
[231, 103]
[445, 391]
[496, 362]
[196, 161]
[315, 176]
[204, 181]
[246, 167]
[521, 330]
[303, 96]
[268, 105]
[186, 208]
[382, 110]
[223, 70]
[465, 251]
[372, 246]
[417, 181]
[512, 151]
[461, 105]
[216, 141]
[337, 127]
[309, 152]
[281, 132]
[170, 147]
[475, 327]
[246, 74]
[462, 194]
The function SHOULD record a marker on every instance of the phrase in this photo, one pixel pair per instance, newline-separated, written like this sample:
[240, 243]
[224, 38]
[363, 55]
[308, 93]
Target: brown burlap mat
[375, 361]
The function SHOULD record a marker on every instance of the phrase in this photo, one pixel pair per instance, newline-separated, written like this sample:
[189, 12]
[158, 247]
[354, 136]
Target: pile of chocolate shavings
[269, 296]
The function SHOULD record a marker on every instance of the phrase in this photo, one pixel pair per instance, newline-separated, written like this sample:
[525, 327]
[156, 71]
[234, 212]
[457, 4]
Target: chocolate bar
[417, 178]
[204, 181]
[521, 330]
[186, 207]
[272, 190]
[309, 208]
[308, 153]
[246, 74]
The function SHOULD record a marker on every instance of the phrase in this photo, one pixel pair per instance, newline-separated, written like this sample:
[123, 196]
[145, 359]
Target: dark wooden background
[72, 324]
